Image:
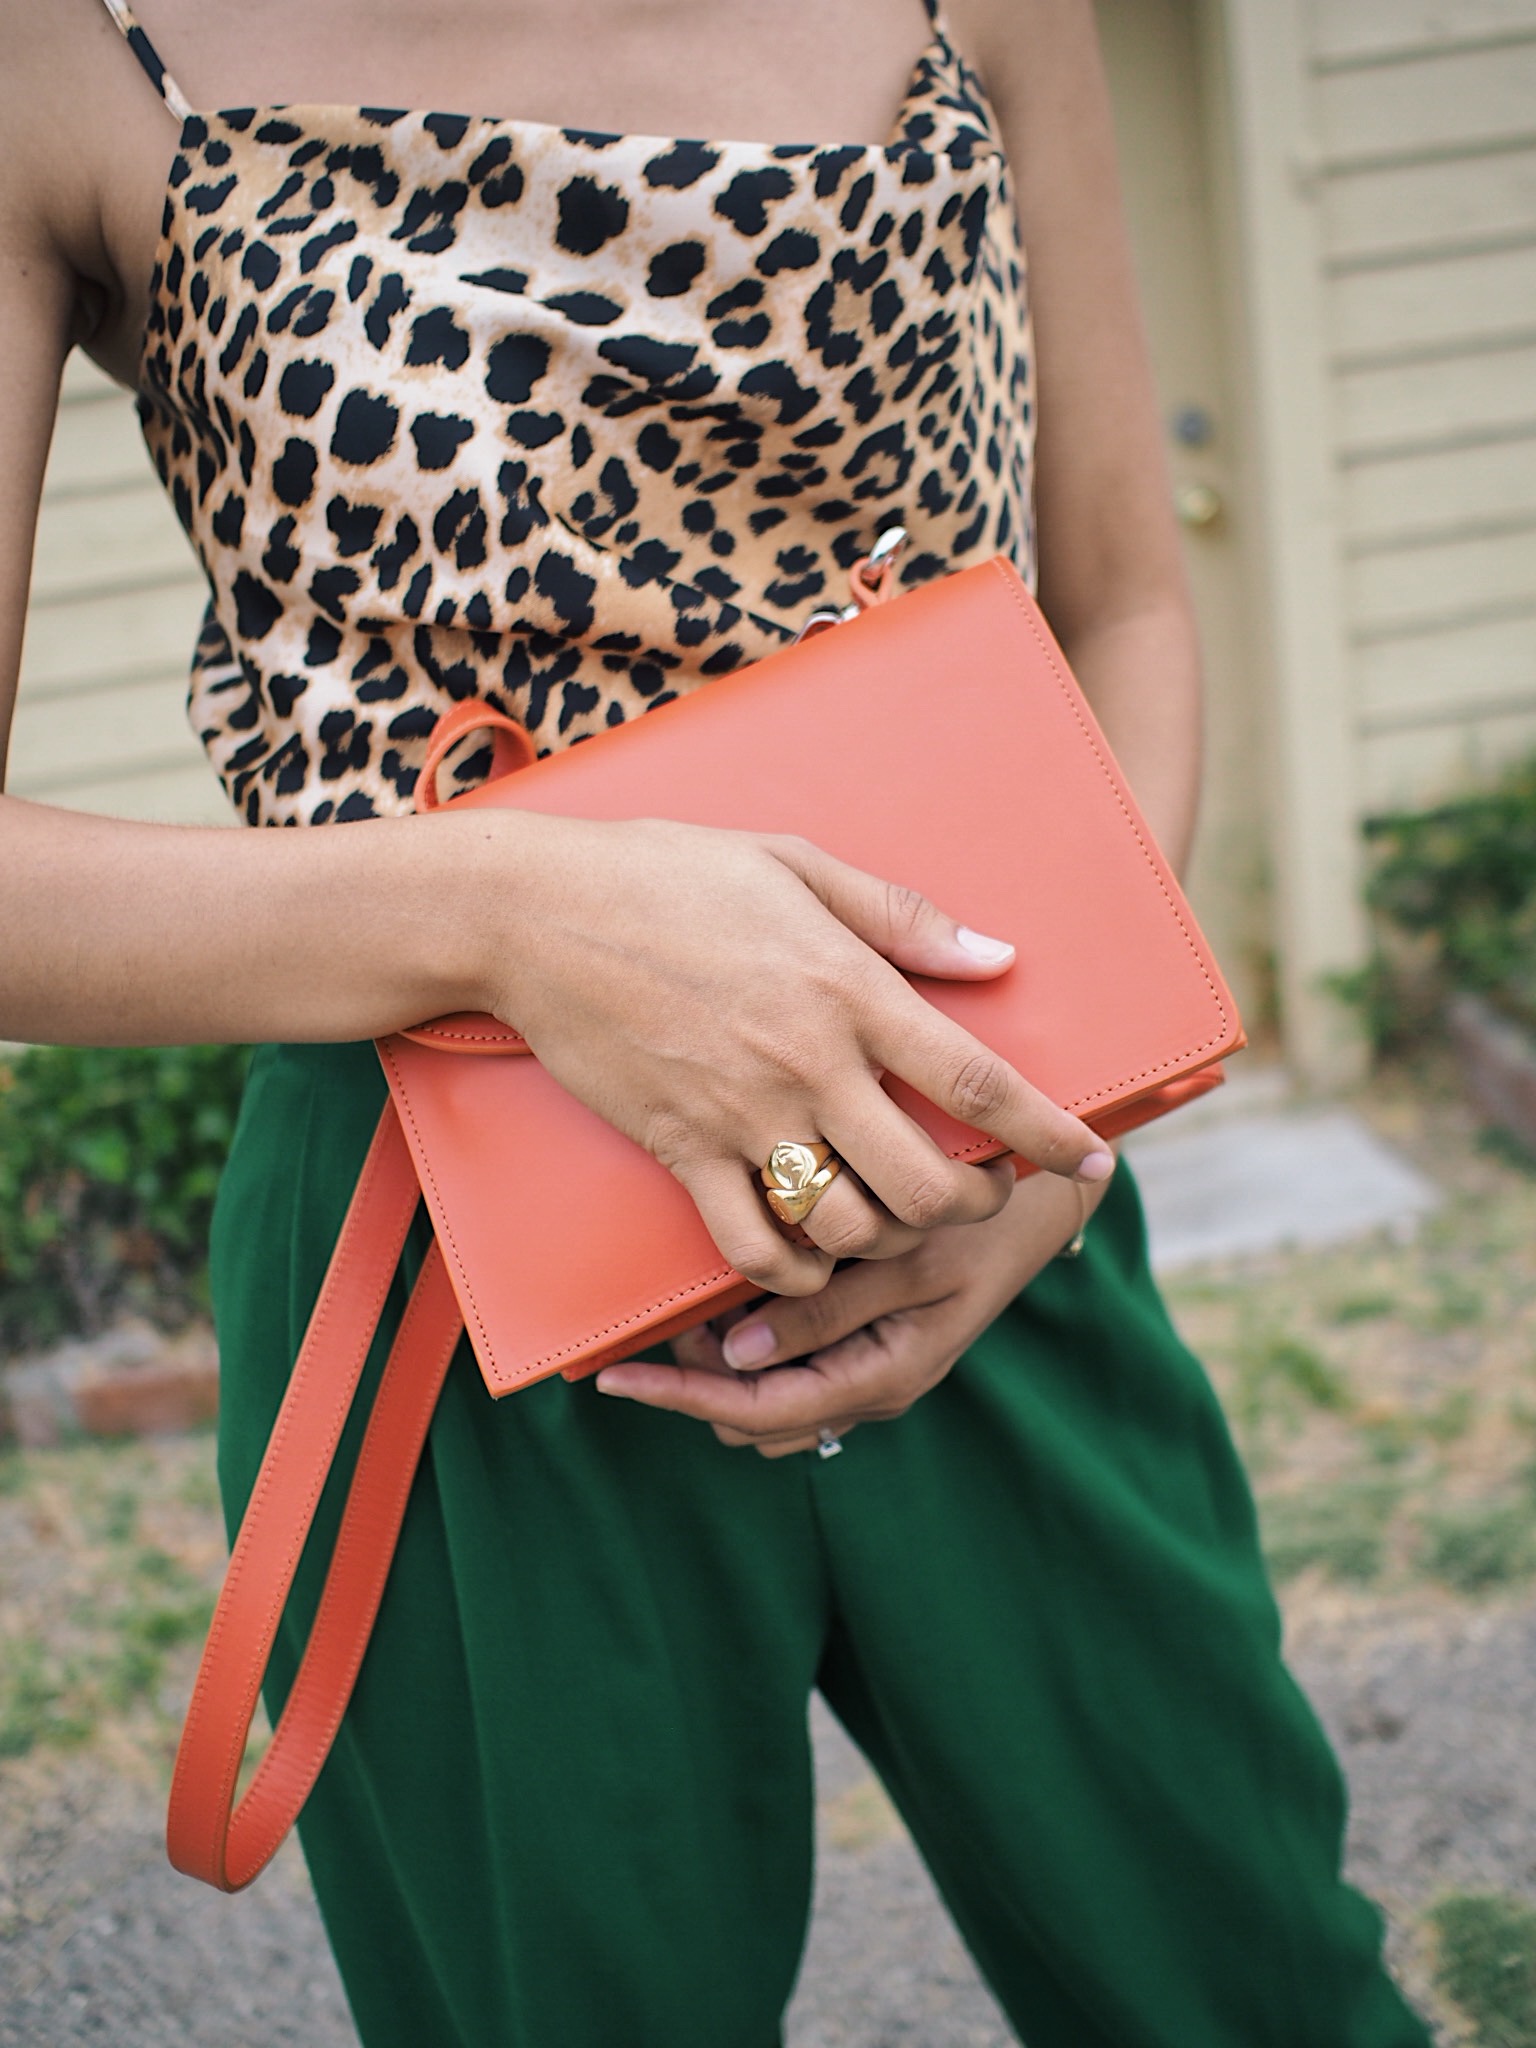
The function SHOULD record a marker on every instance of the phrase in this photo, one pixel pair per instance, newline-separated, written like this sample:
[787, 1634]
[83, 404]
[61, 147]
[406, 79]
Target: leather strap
[207, 1836]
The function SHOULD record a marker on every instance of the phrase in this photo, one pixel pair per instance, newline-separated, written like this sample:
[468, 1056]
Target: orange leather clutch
[937, 740]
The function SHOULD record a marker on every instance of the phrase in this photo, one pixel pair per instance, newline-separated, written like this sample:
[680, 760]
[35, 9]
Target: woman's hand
[864, 1349]
[711, 992]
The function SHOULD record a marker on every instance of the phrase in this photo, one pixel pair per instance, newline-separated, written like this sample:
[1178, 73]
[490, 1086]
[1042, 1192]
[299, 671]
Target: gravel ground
[1430, 1702]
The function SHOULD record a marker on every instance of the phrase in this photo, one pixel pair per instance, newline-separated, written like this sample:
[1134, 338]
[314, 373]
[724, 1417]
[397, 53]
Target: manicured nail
[1097, 1166]
[749, 1344]
[980, 947]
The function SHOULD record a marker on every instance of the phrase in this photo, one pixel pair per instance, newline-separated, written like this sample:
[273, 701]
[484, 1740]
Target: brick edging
[131, 1381]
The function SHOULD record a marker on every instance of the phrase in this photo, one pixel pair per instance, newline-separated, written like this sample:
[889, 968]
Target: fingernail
[980, 947]
[749, 1344]
[605, 1385]
[1097, 1166]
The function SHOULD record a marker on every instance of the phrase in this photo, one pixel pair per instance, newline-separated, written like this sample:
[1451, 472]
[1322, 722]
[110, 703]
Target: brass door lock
[1198, 504]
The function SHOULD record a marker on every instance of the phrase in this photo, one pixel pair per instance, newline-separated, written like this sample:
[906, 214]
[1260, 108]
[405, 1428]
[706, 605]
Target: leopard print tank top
[568, 421]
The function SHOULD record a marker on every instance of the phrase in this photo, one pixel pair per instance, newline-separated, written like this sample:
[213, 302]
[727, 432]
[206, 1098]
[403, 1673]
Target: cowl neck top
[456, 406]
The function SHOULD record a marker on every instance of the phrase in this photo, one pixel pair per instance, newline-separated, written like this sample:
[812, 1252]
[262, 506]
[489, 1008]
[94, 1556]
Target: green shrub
[1487, 1962]
[31, 1703]
[1451, 1417]
[1278, 1379]
[1342, 1528]
[1455, 889]
[1476, 1548]
[1364, 1308]
[109, 1160]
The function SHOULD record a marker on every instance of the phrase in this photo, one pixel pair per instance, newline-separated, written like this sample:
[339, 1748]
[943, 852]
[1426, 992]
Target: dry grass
[1384, 1392]
[110, 1555]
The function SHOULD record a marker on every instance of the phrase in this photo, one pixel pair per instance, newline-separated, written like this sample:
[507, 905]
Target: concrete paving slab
[1248, 1183]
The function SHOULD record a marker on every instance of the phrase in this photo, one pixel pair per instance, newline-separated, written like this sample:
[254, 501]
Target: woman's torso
[458, 406]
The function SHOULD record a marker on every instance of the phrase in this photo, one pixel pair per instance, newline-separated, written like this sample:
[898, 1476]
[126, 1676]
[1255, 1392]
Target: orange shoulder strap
[207, 1835]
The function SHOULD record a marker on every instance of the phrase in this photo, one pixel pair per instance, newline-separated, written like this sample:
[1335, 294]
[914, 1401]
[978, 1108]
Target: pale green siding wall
[116, 599]
[1425, 170]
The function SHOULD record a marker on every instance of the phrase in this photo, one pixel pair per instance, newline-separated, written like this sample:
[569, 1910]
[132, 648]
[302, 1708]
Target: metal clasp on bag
[872, 579]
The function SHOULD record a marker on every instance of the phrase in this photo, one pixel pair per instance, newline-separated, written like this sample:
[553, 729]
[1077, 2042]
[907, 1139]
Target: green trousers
[571, 1805]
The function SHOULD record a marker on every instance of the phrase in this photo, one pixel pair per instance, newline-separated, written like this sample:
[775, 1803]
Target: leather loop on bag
[873, 581]
[511, 747]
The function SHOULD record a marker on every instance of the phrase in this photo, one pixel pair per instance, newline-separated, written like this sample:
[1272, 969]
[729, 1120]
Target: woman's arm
[122, 933]
[1112, 578]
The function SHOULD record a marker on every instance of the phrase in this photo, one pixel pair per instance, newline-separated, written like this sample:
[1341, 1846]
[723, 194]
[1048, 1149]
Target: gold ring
[797, 1174]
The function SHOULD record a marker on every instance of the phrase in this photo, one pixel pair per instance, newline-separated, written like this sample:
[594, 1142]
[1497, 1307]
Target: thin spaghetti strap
[177, 103]
[939, 24]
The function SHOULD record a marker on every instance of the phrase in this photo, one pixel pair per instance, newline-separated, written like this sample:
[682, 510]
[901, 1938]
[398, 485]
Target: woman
[576, 419]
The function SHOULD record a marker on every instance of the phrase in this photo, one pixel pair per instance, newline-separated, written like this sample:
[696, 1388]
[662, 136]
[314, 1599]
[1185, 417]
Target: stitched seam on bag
[632, 1322]
[518, 1044]
[1015, 590]
[431, 1031]
[553, 1358]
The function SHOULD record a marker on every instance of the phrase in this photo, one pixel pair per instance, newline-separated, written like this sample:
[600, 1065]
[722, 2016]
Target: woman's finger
[730, 1201]
[899, 923]
[848, 1223]
[904, 1169]
[943, 1062]
[958, 1074]
[769, 1333]
[796, 1400]
[701, 1347]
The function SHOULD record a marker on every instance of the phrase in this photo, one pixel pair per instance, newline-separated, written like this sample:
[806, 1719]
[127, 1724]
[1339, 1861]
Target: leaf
[103, 1149]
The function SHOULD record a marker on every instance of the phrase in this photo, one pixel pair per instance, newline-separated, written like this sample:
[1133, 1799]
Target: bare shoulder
[1041, 64]
[81, 140]
[48, 167]
[1101, 487]
[1027, 51]
[61, 152]
[30, 37]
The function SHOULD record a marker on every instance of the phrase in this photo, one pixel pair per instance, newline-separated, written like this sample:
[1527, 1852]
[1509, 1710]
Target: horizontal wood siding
[1370, 31]
[1424, 165]
[116, 599]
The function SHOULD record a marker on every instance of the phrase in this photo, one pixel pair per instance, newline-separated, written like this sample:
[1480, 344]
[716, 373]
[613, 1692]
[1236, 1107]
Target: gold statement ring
[796, 1175]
